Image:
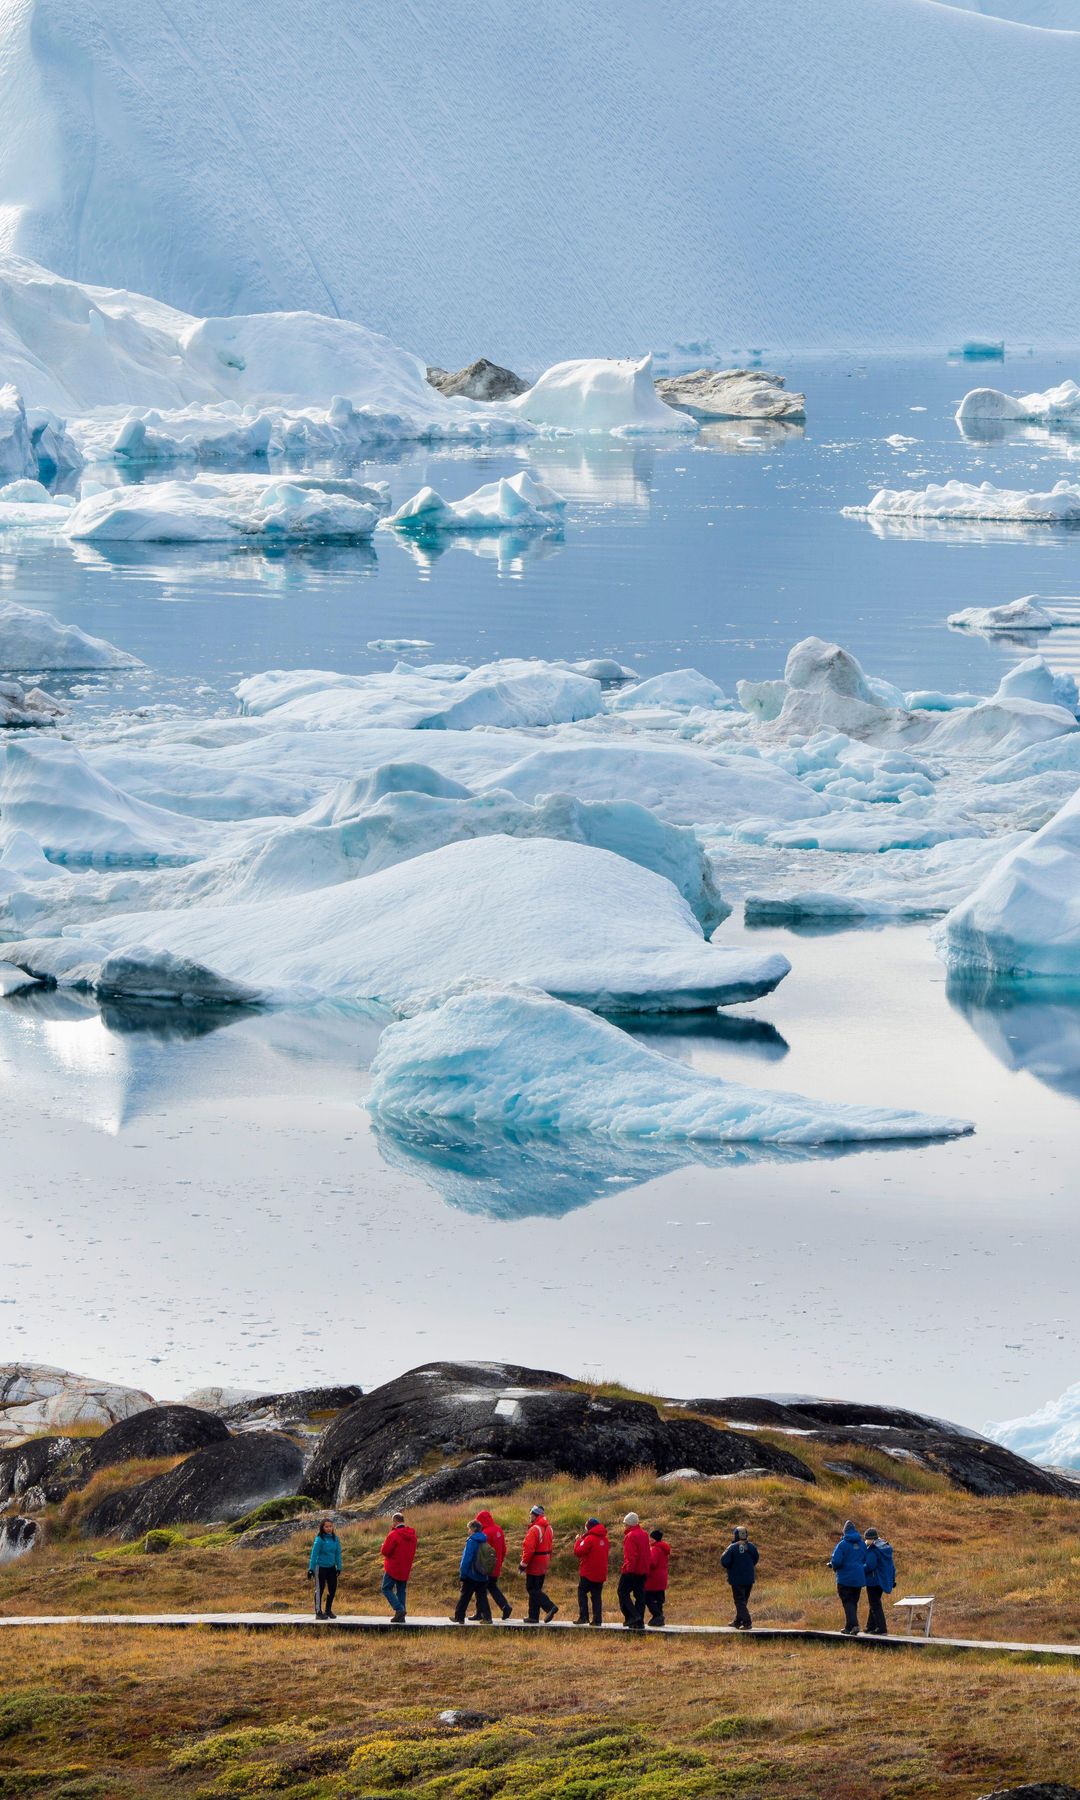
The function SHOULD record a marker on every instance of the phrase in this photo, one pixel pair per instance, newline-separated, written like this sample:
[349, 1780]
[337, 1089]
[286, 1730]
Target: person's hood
[599, 1531]
[486, 1520]
[880, 1544]
[853, 1536]
[407, 1529]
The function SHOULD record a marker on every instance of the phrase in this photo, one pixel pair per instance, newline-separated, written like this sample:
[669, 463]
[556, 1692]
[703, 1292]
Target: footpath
[255, 1621]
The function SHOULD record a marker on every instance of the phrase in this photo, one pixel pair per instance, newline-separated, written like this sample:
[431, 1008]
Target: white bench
[916, 1603]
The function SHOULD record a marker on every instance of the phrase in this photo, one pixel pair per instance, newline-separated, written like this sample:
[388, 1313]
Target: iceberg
[900, 884]
[578, 922]
[510, 693]
[1057, 406]
[963, 500]
[20, 706]
[77, 816]
[31, 639]
[683, 786]
[518, 503]
[677, 690]
[1050, 1435]
[17, 459]
[528, 1063]
[1025, 614]
[601, 395]
[708, 394]
[1023, 919]
[228, 508]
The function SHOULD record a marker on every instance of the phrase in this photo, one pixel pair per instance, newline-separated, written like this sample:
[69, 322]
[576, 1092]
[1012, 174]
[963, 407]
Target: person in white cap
[637, 1556]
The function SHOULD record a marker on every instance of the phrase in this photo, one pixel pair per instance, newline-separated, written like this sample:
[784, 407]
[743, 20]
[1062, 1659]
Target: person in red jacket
[656, 1584]
[637, 1556]
[592, 1550]
[398, 1555]
[535, 1563]
[496, 1537]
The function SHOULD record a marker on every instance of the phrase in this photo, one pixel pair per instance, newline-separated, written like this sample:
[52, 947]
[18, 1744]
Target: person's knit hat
[535, 1511]
[871, 1534]
[589, 1523]
[399, 1518]
[631, 1519]
[850, 1525]
[657, 1535]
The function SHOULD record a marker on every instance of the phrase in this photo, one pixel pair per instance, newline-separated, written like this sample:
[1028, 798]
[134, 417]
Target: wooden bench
[916, 1603]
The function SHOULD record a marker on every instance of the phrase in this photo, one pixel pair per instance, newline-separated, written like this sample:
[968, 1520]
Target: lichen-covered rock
[222, 1481]
[303, 1410]
[35, 1397]
[159, 1431]
[482, 380]
[18, 1536]
[732, 394]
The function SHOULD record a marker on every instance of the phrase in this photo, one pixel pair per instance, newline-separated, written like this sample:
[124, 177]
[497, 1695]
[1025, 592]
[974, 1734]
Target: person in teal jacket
[325, 1565]
[880, 1579]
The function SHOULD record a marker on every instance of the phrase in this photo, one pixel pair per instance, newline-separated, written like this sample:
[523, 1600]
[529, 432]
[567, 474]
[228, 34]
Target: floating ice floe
[1023, 919]
[229, 508]
[600, 395]
[514, 692]
[1057, 406]
[708, 394]
[399, 646]
[1050, 1435]
[518, 502]
[963, 500]
[21, 706]
[32, 639]
[1026, 614]
[26, 502]
[575, 921]
[906, 884]
[527, 1063]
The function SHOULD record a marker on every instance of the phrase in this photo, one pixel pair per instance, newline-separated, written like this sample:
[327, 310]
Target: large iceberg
[1051, 1435]
[1023, 919]
[514, 503]
[598, 394]
[229, 508]
[528, 1063]
[989, 406]
[964, 500]
[578, 922]
[32, 639]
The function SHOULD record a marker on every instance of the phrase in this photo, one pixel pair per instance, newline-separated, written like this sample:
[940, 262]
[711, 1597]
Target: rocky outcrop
[732, 394]
[159, 1431]
[221, 1482]
[1039, 1790]
[18, 1536]
[37, 1473]
[34, 1397]
[536, 1423]
[482, 380]
[303, 1411]
[973, 1463]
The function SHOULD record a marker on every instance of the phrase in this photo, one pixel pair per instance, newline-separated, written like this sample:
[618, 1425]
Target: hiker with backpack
[880, 1579]
[535, 1563]
[496, 1537]
[477, 1562]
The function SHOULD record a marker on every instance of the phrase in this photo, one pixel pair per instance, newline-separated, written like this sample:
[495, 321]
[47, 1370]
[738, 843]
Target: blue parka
[849, 1559]
[325, 1552]
[739, 1562]
[468, 1570]
[880, 1566]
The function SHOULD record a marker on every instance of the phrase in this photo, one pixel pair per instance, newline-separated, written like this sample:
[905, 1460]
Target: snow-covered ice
[1050, 1435]
[76, 815]
[1023, 919]
[1029, 613]
[228, 508]
[1057, 406]
[528, 1063]
[513, 503]
[676, 783]
[32, 639]
[600, 395]
[432, 697]
[22, 706]
[676, 690]
[964, 500]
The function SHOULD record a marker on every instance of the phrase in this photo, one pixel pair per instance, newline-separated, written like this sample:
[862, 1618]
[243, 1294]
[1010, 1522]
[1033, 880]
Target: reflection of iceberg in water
[507, 1176]
[683, 1033]
[510, 550]
[1033, 1028]
[739, 437]
[602, 474]
[256, 561]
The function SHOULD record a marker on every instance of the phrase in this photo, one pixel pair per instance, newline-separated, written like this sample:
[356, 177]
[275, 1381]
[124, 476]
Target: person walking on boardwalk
[657, 1579]
[477, 1562]
[535, 1563]
[324, 1564]
[592, 1551]
[848, 1561]
[739, 1563]
[637, 1555]
[496, 1537]
[880, 1579]
[398, 1555]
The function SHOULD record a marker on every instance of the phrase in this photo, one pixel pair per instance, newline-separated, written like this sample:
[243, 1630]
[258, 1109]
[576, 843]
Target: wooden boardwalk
[346, 1622]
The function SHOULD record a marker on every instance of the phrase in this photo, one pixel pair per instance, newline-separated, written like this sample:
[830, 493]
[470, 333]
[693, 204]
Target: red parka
[399, 1552]
[536, 1549]
[659, 1553]
[496, 1537]
[636, 1548]
[592, 1550]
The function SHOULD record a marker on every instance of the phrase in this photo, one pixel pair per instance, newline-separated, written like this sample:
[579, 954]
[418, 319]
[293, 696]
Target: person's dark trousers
[325, 1582]
[470, 1590]
[538, 1600]
[394, 1593]
[495, 1593]
[654, 1600]
[632, 1600]
[741, 1597]
[849, 1600]
[594, 1591]
[876, 1621]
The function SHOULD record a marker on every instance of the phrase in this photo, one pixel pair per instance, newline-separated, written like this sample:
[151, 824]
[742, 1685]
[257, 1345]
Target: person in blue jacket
[880, 1579]
[848, 1561]
[474, 1576]
[324, 1564]
[739, 1563]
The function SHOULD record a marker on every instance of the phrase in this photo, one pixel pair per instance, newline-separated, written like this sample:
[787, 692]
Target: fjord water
[193, 1198]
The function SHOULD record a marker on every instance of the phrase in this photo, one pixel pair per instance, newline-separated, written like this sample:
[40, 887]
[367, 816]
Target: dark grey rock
[40, 1471]
[482, 380]
[222, 1481]
[855, 1471]
[471, 1480]
[159, 1431]
[1038, 1790]
[18, 1535]
[531, 1419]
[465, 1721]
[298, 1410]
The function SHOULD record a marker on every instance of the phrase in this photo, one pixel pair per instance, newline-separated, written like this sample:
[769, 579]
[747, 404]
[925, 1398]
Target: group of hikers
[860, 1560]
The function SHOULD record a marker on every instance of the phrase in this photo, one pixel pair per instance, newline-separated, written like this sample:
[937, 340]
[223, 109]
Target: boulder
[535, 1422]
[38, 1472]
[296, 1411]
[220, 1482]
[732, 394]
[1037, 1790]
[35, 1397]
[159, 1431]
[482, 380]
[17, 1536]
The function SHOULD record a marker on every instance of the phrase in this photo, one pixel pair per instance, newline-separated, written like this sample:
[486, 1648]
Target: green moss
[224, 1747]
[288, 1507]
[37, 1711]
[734, 1725]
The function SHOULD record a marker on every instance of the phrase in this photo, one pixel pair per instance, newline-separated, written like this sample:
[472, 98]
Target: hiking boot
[581, 1621]
[550, 1614]
[398, 1619]
[507, 1610]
